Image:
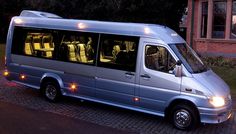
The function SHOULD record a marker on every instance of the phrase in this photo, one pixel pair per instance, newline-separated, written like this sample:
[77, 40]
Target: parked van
[142, 67]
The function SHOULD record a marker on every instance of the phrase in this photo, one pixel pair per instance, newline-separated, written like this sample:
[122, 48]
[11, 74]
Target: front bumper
[215, 115]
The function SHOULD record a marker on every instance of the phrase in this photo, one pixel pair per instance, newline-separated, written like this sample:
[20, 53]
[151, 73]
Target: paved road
[21, 120]
[103, 115]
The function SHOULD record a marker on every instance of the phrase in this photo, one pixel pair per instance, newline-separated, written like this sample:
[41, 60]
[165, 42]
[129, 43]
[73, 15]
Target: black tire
[184, 117]
[51, 91]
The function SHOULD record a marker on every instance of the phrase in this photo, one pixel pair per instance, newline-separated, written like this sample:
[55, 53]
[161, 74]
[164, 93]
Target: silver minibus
[143, 67]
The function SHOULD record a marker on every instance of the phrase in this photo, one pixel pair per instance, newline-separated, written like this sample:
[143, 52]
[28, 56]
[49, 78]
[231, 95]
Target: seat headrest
[81, 47]
[152, 50]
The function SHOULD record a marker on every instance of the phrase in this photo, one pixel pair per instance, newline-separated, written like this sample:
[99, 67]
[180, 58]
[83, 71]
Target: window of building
[219, 19]
[158, 58]
[204, 19]
[68, 46]
[233, 30]
[118, 52]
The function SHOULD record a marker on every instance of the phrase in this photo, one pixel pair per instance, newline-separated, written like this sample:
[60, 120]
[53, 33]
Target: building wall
[210, 46]
[216, 47]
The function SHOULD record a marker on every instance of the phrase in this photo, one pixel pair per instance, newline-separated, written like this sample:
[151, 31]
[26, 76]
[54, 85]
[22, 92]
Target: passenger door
[158, 83]
[115, 77]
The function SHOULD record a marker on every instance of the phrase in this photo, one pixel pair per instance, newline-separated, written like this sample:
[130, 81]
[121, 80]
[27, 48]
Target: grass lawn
[227, 74]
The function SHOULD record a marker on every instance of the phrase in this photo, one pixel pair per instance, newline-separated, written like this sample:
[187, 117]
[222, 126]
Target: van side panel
[115, 75]
[35, 68]
[157, 87]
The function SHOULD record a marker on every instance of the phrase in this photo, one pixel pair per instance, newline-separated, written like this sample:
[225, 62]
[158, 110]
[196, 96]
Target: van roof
[30, 13]
[52, 21]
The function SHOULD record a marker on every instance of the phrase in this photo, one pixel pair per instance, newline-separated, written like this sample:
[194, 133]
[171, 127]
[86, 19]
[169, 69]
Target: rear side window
[118, 52]
[37, 43]
[68, 46]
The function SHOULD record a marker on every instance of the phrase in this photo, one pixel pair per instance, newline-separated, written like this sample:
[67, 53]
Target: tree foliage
[165, 12]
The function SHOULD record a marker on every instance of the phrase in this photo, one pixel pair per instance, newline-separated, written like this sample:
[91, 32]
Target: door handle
[145, 76]
[129, 75]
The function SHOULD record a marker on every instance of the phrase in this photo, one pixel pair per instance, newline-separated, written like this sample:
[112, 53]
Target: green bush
[220, 62]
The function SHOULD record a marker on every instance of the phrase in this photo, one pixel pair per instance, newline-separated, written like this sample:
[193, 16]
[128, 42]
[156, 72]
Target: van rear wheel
[184, 117]
[51, 91]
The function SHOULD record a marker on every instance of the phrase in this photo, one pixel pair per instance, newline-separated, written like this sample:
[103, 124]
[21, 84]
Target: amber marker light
[136, 99]
[5, 73]
[73, 87]
[22, 77]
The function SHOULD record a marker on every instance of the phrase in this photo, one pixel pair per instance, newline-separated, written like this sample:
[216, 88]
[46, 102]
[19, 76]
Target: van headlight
[217, 101]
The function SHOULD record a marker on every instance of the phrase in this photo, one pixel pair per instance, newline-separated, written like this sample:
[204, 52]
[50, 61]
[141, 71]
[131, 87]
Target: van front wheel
[184, 117]
[51, 91]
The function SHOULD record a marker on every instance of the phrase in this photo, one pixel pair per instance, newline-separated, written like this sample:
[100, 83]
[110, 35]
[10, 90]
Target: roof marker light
[174, 34]
[81, 26]
[147, 30]
[18, 21]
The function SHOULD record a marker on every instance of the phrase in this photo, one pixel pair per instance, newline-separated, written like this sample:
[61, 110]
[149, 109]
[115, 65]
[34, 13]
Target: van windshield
[189, 58]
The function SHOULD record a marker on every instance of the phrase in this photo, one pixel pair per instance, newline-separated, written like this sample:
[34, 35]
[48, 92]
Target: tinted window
[67, 46]
[118, 52]
[78, 47]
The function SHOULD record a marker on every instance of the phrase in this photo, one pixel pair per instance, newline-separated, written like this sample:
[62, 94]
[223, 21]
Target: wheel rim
[51, 92]
[182, 118]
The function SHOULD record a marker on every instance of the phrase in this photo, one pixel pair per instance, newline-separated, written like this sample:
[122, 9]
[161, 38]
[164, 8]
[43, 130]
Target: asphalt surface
[21, 120]
[23, 110]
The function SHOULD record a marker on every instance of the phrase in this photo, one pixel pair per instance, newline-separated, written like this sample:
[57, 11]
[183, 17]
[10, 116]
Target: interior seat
[47, 44]
[28, 46]
[115, 51]
[71, 52]
[82, 53]
[37, 43]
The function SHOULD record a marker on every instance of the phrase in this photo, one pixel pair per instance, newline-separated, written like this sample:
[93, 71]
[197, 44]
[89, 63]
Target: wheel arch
[52, 77]
[181, 101]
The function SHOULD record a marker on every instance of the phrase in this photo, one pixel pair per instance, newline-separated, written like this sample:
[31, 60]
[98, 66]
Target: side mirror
[178, 69]
[178, 63]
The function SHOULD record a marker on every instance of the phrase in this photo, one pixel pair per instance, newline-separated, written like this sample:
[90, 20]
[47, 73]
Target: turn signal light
[5, 73]
[73, 87]
[136, 99]
[22, 76]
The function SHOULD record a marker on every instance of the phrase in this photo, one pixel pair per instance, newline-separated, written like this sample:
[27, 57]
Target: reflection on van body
[142, 67]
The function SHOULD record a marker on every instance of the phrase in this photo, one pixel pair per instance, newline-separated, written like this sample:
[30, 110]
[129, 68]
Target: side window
[37, 43]
[68, 46]
[118, 52]
[78, 47]
[158, 58]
